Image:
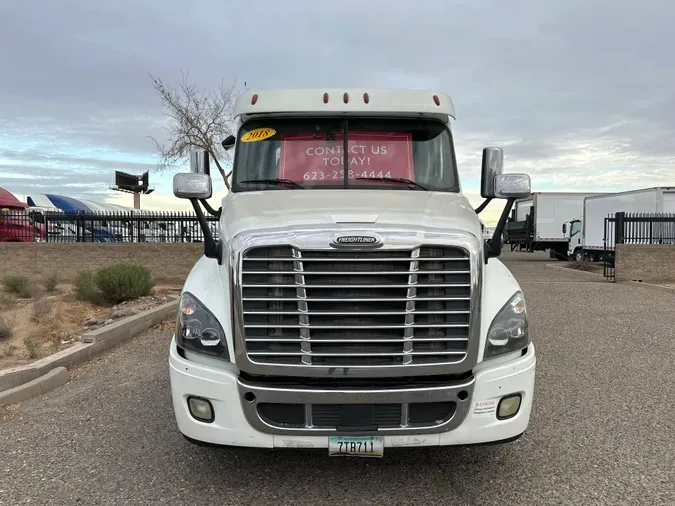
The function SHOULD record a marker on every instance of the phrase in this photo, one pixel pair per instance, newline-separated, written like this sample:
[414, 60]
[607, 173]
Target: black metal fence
[635, 228]
[160, 227]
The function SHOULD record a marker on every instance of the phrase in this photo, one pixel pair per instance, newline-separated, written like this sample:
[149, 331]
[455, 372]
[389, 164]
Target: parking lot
[602, 429]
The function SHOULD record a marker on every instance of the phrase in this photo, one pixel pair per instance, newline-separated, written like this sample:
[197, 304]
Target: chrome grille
[344, 309]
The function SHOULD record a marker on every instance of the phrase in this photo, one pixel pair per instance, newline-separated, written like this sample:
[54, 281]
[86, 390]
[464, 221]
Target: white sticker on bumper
[485, 408]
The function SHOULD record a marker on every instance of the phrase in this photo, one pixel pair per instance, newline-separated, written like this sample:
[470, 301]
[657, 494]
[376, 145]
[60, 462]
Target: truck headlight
[508, 331]
[198, 330]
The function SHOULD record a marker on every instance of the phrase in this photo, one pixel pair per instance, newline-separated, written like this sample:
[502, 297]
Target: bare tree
[197, 120]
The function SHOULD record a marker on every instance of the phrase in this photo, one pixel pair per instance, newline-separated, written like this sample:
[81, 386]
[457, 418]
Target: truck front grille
[356, 417]
[356, 308]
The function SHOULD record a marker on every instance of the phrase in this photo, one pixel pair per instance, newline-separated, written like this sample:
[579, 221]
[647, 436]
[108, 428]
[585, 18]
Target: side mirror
[228, 143]
[492, 166]
[188, 185]
[564, 228]
[199, 162]
[510, 186]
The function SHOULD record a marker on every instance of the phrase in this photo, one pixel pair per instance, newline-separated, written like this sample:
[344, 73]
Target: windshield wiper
[275, 182]
[400, 180]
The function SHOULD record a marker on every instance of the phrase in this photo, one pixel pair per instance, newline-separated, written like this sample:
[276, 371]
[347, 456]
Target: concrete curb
[670, 289]
[572, 270]
[46, 383]
[94, 343]
[652, 286]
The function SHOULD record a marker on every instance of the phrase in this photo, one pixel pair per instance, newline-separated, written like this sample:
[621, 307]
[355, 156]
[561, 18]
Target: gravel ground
[602, 430]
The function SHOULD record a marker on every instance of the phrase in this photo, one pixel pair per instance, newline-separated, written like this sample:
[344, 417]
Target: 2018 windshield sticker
[259, 134]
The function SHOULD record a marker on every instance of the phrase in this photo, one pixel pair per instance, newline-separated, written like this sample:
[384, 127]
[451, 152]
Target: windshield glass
[308, 153]
[575, 228]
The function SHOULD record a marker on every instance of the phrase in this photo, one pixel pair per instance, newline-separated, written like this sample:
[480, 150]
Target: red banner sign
[316, 160]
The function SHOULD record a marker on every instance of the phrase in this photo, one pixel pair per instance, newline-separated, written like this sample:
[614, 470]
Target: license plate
[362, 446]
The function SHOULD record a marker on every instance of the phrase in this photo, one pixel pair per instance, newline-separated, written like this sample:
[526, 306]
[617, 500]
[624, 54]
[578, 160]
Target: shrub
[16, 284]
[6, 302]
[33, 292]
[32, 347]
[9, 350]
[50, 282]
[6, 329]
[41, 308]
[121, 282]
[85, 287]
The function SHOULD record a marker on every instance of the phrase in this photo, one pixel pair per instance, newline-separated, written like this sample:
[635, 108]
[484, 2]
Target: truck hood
[331, 208]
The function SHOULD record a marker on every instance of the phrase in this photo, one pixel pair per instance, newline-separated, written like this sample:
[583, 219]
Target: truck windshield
[302, 153]
[575, 228]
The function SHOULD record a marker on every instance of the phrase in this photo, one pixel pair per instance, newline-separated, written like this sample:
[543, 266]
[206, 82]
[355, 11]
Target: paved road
[602, 430]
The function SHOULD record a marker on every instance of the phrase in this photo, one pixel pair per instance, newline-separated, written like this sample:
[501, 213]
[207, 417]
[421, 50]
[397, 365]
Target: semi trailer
[350, 302]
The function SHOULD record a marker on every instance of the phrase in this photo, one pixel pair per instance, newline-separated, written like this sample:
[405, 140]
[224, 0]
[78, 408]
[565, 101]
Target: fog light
[508, 406]
[200, 409]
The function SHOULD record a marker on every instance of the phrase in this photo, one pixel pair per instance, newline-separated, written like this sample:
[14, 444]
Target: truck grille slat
[350, 354]
[350, 273]
[337, 326]
[354, 313]
[377, 340]
[332, 259]
[294, 286]
[356, 308]
[365, 299]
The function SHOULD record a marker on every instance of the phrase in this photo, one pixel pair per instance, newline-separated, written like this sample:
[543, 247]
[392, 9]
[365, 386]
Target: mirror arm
[210, 209]
[483, 205]
[494, 248]
[211, 246]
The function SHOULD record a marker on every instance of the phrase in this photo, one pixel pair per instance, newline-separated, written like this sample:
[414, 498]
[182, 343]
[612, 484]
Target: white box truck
[536, 222]
[586, 235]
[349, 303]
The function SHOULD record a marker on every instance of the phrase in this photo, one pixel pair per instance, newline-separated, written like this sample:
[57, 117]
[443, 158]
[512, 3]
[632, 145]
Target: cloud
[579, 93]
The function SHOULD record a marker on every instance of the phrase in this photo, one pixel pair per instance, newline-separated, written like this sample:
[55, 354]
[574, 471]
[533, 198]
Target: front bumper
[474, 422]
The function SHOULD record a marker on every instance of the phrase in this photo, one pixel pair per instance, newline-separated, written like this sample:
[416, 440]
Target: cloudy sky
[580, 93]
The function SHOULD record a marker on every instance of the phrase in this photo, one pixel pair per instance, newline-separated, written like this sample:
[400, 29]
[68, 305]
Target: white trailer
[536, 222]
[586, 235]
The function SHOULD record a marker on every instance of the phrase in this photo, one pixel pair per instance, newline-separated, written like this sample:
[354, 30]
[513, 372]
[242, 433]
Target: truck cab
[18, 226]
[572, 231]
[350, 301]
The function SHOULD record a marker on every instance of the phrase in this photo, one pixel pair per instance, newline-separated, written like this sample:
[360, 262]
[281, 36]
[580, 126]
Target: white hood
[281, 208]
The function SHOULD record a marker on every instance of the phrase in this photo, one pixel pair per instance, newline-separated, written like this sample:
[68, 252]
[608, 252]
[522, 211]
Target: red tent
[9, 200]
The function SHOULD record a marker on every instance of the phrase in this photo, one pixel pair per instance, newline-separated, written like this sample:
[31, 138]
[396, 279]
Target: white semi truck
[586, 234]
[350, 303]
[535, 223]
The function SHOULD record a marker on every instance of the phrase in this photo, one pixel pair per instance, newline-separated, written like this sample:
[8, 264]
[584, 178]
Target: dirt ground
[52, 321]
[596, 267]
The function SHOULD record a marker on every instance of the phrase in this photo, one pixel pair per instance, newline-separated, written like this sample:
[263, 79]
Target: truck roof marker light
[437, 100]
[325, 98]
[345, 97]
[366, 98]
[254, 99]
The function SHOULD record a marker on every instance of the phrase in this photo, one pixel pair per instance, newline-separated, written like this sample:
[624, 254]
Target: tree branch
[196, 120]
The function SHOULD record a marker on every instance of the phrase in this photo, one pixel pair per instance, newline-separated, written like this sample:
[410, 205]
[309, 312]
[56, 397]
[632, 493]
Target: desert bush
[50, 282]
[6, 329]
[8, 350]
[41, 308]
[16, 284]
[121, 282]
[6, 302]
[34, 291]
[85, 287]
[32, 347]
